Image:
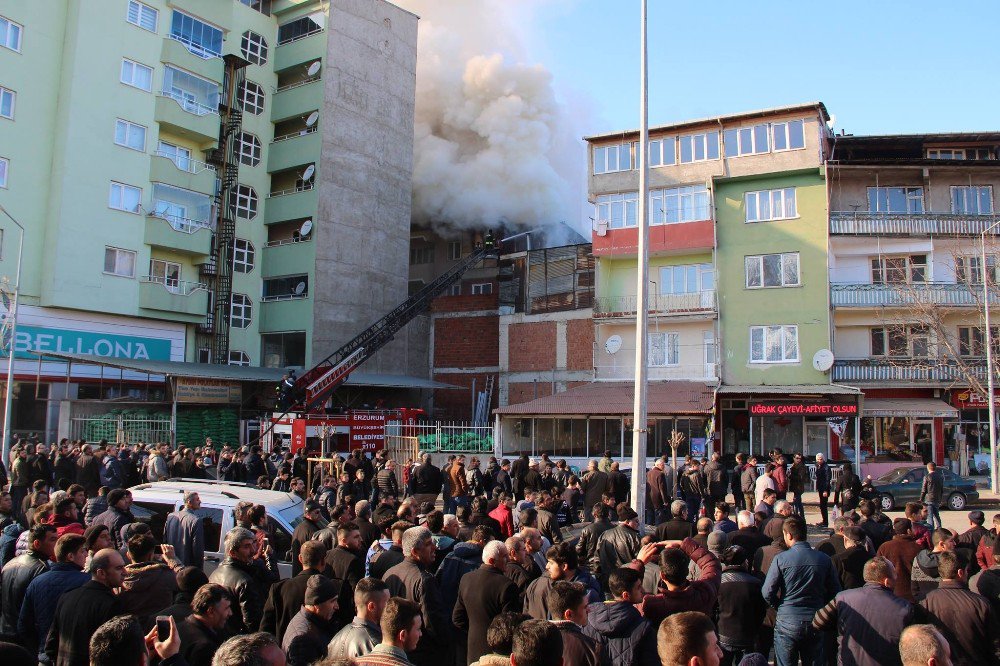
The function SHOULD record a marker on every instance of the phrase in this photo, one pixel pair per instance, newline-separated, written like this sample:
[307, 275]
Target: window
[895, 199]
[264, 7]
[774, 344]
[7, 103]
[243, 255]
[972, 199]
[249, 149]
[239, 358]
[202, 39]
[119, 262]
[664, 349]
[10, 34]
[204, 355]
[678, 204]
[746, 140]
[240, 311]
[788, 135]
[453, 290]
[971, 340]
[186, 210]
[297, 29]
[244, 200]
[899, 270]
[772, 270]
[136, 75]
[961, 154]
[166, 273]
[195, 94]
[662, 152]
[699, 147]
[180, 156]
[905, 341]
[251, 98]
[422, 254]
[4, 168]
[454, 250]
[130, 135]
[125, 197]
[687, 279]
[254, 48]
[768, 205]
[482, 288]
[282, 350]
[284, 288]
[142, 15]
[618, 210]
[613, 158]
[969, 270]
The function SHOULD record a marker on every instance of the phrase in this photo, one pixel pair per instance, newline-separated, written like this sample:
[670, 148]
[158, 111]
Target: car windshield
[292, 514]
[895, 475]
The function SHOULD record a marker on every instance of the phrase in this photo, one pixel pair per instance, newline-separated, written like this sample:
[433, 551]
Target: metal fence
[915, 224]
[889, 295]
[445, 437]
[119, 429]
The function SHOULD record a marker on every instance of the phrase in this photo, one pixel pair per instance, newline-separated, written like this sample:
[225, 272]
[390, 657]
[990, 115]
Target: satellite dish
[313, 117]
[300, 288]
[613, 344]
[314, 68]
[306, 227]
[308, 173]
[823, 360]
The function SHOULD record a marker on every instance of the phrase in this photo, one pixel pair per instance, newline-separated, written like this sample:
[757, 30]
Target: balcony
[903, 295]
[697, 304]
[187, 301]
[169, 232]
[297, 99]
[292, 314]
[290, 204]
[674, 237]
[906, 370]
[187, 174]
[187, 119]
[300, 50]
[626, 371]
[194, 59]
[219, 13]
[286, 257]
[294, 150]
[917, 224]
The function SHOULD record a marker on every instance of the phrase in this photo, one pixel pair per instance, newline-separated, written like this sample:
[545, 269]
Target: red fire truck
[337, 433]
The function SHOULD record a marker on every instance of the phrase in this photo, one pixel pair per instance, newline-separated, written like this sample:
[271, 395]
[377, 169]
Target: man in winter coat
[111, 471]
[482, 595]
[312, 628]
[203, 631]
[748, 483]
[628, 638]
[243, 580]
[741, 606]
[344, 564]
[798, 482]
[88, 472]
[717, 481]
[931, 492]
[901, 550]
[185, 531]
[823, 484]
[618, 546]
[386, 482]
[118, 515]
[586, 545]
[426, 481]
[148, 585]
[570, 614]
[561, 564]
[286, 596]
[658, 491]
[312, 517]
[984, 549]
[924, 576]
[364, 632]
[963, 617]
[594, 484]
[18, 574]
[695, 489]
[43, 592]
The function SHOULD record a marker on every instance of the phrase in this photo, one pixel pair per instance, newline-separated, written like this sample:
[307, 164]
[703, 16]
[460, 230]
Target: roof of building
[788, 390]
[617, 399]
[929, 137]
[744, 115]
[911, 407]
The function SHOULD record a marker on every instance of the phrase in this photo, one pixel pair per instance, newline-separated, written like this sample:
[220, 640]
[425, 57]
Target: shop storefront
[968, 440]
[903, 430]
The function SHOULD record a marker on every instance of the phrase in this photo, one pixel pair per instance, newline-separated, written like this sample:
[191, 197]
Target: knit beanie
[319, 589]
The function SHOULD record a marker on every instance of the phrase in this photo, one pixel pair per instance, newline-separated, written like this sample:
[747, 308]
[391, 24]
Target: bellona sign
[43, 339]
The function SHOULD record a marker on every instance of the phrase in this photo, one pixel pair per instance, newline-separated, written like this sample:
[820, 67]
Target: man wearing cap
[185, 531]
[117, 516]
[969, 540]
[189, 581]
[504, 484]
[311, 629]
[312, 522]
[850, 564]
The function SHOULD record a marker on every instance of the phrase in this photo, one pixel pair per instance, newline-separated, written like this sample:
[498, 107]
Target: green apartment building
[214, 181]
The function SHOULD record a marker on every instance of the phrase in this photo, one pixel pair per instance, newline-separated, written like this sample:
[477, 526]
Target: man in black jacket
[630, 640]
[386, 482]
[850, 564]
[244, 581]
[503, 483]
[285, 597]
[521, 567]
[741, 606]
[18, 574]
[482, 595]
[118, 515]
[717, 481]
[345, 565]
[517, 472]
[619, 545]
[594, 484]
[679, 527]
[426, 481]
[618, 484]
[203, 631]
[312, 517]
[586, 546]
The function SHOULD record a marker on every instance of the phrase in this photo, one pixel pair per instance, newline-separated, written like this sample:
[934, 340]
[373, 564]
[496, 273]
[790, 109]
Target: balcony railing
[188, 104]
[185, 164]
[296, 38]
[863, 223]
[195, 48]
[287, 241]
[284, 297]
[905, 369]
[698, 302]
[292, 190]
[291, 86]
[292, 135]
[626, 371]
[179, 287]
[183, 224]
[900, 295]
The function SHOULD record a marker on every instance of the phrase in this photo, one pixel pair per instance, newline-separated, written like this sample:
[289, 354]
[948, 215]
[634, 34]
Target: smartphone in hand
[162, 628]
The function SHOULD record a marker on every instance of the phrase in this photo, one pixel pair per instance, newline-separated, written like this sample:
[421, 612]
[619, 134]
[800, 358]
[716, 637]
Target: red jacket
[503, 515]
[780, 479]
[63, 525]
[699, 595]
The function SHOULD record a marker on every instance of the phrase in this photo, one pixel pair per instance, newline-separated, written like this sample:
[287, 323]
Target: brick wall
[518, 392]
[466, 342]
[467, 303]
[580, 344]
[532, 346]
[456, 404]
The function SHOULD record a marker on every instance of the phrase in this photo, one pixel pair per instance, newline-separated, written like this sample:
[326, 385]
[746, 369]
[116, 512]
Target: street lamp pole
[988, 337]
[9, 398]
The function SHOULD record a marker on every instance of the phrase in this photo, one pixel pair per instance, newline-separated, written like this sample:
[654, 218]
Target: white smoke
[493, 144]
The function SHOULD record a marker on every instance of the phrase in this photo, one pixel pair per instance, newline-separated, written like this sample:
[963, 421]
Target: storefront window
[605, 435]
[570, 438]
[544, 439]
[516, 436]
[782, 432]
[735, 432]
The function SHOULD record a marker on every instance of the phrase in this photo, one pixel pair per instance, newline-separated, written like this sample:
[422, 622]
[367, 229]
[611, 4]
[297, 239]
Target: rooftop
[617, 399]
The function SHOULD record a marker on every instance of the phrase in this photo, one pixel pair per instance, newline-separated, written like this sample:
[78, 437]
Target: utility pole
[12, 313]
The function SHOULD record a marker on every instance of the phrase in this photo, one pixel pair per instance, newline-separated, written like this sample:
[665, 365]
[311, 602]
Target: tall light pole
[988, 337]
[638, 485]
[9, 399]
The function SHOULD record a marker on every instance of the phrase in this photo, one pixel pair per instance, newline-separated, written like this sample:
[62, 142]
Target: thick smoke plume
[490, 136]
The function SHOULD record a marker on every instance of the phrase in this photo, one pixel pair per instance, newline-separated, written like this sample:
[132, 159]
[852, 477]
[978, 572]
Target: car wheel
[888, 502]
[956, 501]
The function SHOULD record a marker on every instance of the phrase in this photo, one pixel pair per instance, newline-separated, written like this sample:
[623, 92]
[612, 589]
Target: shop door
[922, 439]
[817, 440]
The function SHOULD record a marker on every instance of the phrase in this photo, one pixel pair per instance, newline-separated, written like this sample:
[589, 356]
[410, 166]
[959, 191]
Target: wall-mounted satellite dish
[309, 172]
[613, 344]
[306, 227]
[312, 118]
[300, 288]
[823, 360]
[313, 69]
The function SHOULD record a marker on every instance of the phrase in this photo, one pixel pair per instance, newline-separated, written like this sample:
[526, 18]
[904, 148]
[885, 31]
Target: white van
[153, 502]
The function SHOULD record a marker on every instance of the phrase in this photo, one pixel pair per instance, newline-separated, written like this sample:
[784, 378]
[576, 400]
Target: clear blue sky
[881, 66]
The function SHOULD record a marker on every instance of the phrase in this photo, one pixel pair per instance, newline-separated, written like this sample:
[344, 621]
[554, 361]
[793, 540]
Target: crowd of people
[521, 562]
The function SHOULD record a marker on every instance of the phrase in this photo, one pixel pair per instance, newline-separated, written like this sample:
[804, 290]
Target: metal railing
[931, 293]
[189, 105]
[284, 297]
[293, 190]
[185, 164]
[686, 371]
[179, 287]
[905, 369]
[699, 302]
[444, 437]
[292, 135]
[291, 86]
[119, 429]
[863, 223]
[298, 37]
[287, 241]
[195, 48]
[183, 224]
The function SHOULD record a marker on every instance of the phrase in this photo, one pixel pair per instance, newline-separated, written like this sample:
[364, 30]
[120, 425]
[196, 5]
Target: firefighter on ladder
[285, 390]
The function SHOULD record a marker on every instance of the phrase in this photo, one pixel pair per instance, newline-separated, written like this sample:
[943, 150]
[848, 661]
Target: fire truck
[323, 434]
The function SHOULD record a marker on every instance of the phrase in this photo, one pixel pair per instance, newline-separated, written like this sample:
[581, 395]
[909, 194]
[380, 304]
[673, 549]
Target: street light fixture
[12, 313]
[988, 337]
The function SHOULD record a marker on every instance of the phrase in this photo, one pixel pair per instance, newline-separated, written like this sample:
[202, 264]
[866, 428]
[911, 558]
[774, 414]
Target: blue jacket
[800, 582]
[39, 606]
[823, 478]
[111, 472]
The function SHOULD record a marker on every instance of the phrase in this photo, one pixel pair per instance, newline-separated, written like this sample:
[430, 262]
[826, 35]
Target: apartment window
[746, 140]
[482, 288]
[262, 6]
[142, 15]
[239, 358]
[4, 168]
[454, 250]
[663, 152]
[125, 197]
[961, 154]
[119, 262]
[240, 311]
[195, 94]
[788, 135]
[618, 210]
[899, 270]
[664, 349]
[130, 135]
[280, 350]
[180, 156]
[772, 270]
[249, 149]
[204, 355]
[687, 279]
[254, 48]
[906, 341]
[767, 205]
[972, 199]
[202, 39]
[243, 256]
[453, 290]
[422, 254]
[969, 270]
[297, 29]
[971, 341]
[613, 158]
[166, 273]
[10, 34]
[699, 147]
[678, 204]
[251, 98]
[244, 200]
[774, 344]
[136, 75]
[283, 288]
[7, 103]
[896, 199]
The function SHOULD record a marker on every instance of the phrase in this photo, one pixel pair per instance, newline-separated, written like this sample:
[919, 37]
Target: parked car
[902, 485]
[153, 502]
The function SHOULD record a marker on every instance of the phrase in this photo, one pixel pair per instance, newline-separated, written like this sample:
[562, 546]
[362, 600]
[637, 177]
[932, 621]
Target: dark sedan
[902, 485]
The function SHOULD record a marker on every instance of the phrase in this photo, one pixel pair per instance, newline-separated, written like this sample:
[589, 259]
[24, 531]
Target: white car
[153, 502]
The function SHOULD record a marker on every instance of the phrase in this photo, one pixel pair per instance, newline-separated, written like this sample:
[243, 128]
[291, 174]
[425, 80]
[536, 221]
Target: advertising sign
[966, 399]
[40, 339]
[367, 430]
[208, 391]
[802, 409]
[298, 434]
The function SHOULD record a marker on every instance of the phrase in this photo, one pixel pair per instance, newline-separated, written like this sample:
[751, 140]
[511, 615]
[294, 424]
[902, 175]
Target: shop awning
[616, 399]
[910, 407]
[788, 390]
